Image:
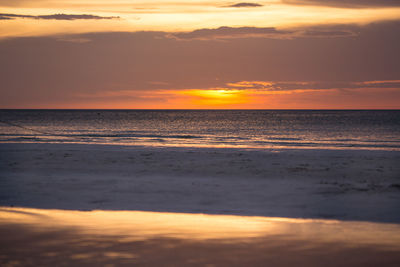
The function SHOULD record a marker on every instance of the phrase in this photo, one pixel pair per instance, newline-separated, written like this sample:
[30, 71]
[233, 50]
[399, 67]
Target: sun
[216, 97]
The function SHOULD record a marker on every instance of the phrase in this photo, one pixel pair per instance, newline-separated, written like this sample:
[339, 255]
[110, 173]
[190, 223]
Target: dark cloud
[313, 85]
[35, 70]
[54, 16]
[72, 17]
[327, 31]
[378, 84]
[74, 39]
[245, 4]
[346, 3]
[229, 32]
[4, 18]
[12, 16]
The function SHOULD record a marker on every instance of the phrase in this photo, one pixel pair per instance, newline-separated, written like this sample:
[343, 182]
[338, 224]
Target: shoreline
[205, 147]
[163, 144]
[361, 185]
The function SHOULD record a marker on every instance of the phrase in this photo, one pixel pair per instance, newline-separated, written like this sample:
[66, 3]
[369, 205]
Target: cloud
[262, 94]
[55, 70]
[378, 84]
[12, 16]
[272, 85]
[245, 4]
[74, 40]
[54, 16]
[229, 32]
[346, 3]
[72, 17]
[280, 86]
[4, 18]
[327, 31]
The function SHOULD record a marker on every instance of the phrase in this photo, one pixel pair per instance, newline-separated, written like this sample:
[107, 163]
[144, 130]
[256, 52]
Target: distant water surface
[365, 129]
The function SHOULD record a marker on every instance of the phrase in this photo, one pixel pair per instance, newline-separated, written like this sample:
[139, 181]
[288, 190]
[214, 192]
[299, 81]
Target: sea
[252, 129]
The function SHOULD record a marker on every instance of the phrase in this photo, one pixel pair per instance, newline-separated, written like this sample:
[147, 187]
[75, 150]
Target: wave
[119, 135]
[200, 140]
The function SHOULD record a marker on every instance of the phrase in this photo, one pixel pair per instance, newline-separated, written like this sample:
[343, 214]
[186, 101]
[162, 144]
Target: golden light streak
[250, 84]
[139, 225]
[171, 16]
[40, 237]
[378, 82]
[250, 96]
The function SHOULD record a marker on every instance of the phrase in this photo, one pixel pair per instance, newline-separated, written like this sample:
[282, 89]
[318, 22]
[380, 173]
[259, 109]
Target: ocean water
[366, 129]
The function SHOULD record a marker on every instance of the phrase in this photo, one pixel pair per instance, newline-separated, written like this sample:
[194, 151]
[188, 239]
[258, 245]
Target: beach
[361, 185]
[111, 205]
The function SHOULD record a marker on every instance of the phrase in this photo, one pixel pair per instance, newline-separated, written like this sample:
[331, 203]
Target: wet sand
[360, 185]
[72, 190]
[35, 237]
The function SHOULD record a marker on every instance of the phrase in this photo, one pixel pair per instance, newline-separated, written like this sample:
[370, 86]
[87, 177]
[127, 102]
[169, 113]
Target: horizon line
[149, 109]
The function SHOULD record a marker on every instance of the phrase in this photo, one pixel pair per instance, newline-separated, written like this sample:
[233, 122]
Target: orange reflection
[215, 96]
[35, 237]
[144, 224]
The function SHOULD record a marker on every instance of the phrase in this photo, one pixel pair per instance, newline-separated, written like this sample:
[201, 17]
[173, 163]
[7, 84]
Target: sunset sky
[277, 54]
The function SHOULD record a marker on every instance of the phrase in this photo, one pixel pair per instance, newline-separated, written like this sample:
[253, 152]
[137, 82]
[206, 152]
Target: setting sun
[216, 96]
[192, 54]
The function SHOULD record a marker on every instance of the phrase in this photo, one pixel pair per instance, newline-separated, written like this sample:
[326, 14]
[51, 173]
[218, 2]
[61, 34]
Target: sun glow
[216, 96]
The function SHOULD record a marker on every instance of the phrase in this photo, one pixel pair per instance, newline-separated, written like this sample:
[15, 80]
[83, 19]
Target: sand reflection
[48, 237]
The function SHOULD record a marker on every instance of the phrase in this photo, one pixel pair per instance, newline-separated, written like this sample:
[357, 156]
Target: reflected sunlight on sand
[45, 237]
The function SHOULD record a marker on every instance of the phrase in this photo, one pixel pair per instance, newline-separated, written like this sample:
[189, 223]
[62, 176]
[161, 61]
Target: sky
[174, 54]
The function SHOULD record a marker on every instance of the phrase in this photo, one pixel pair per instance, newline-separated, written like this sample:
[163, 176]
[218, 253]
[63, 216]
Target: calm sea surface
[212, 128]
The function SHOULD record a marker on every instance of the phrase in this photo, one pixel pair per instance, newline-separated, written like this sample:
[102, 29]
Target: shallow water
[206, 128]
[75, 238]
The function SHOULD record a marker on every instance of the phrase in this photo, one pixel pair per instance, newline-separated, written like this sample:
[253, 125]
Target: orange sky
[200, 54]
